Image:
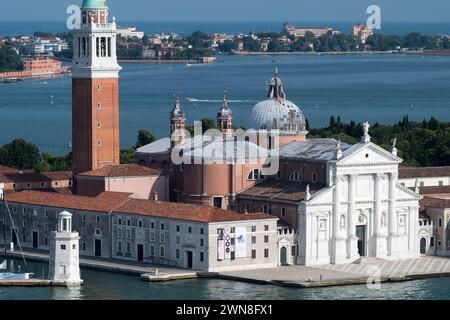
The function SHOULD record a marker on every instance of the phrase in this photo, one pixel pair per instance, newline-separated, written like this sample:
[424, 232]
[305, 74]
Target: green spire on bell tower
[94, 4]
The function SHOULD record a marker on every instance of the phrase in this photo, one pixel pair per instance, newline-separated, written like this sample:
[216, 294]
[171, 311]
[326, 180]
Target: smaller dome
[64, 214]
[94, 4]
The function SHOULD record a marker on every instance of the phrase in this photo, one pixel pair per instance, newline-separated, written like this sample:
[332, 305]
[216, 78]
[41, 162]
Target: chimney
[155, 196]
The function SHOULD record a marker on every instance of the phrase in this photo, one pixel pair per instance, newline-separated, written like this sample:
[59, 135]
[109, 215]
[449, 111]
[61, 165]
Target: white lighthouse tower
[64, 252]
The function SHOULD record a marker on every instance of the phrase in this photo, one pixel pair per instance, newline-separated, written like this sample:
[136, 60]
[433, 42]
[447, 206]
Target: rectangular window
[283, 212]
[128, 222]
[253, 254]
[162, 251]
[97, 219]
[178, 254]
[233, 255]
[266, 227]
[178, 228]
[253, 239]
[140, 223]
[432, 242]
[293, 251]
[45, 241]
[152, 225]
[84, 246]
[162, 237]
[314, 178]
[202, 256]
[162, 226]
[63, 247]
[202, 231]
[152, 250]
[190, 230]
[24, 223]
[119, 246]
[253, 228]
[440, 222]
[152, 236]
[46, 213]
[178, 239]
[128, 246]
[119, 233]
[266, 253]
[265, 209]
[439, 243]
[266, 239]
[202, 242]
[83, 218]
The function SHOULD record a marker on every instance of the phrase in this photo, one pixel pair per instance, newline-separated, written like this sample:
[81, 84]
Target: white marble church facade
[363, 211]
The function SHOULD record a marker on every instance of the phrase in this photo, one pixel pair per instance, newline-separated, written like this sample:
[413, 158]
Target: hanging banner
[227, 238]
[220, 249]
[241, 242]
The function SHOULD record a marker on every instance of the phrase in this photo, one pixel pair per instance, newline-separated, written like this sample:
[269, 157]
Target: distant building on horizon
[300, 32]
[362, 31]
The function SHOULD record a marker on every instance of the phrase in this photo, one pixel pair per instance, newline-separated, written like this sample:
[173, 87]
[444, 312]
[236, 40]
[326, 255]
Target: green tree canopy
[19, 154]
[144, 137]
[9, 59]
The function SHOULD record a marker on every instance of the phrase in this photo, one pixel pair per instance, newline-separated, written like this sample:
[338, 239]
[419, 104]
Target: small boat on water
[9, 80]
[15, 276]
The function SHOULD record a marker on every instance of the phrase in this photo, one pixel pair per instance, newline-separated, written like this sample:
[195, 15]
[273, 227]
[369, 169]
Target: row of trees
[339, 42]
[424, 144]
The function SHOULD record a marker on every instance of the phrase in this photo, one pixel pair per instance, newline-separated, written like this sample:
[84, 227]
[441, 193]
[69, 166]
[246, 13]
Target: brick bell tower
[95, 90]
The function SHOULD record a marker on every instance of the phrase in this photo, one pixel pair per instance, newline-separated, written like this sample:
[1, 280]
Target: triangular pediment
[404, 193]
[367, 153]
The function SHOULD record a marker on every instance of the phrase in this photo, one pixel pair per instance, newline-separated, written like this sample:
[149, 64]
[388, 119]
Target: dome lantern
[278, 113]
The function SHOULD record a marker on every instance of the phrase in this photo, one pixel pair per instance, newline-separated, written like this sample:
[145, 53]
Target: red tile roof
[29, 176]
[280, 190]
[122, 203]
[184, 211]
[126, 170]
[434, 202]
[105, 202]
[4, 169]
[423, 172]
[436, 190]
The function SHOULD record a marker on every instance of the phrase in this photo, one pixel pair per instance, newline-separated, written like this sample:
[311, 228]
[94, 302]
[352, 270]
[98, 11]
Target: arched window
[295, 176]
[255, 175]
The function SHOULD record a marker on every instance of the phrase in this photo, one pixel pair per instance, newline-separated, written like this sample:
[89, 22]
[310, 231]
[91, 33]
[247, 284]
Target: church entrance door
[361, 234]
[283, 256]
[423, 246]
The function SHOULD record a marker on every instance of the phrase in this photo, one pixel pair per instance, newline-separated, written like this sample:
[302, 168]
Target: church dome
[276, 112]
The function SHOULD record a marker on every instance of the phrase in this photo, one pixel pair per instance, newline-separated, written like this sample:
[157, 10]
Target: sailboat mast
[2, 195]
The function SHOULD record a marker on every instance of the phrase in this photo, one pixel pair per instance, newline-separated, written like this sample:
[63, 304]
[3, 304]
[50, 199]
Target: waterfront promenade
[345, 274]
[287, 276]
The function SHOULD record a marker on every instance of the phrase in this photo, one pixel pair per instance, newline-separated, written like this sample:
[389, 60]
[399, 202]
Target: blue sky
[239, 10]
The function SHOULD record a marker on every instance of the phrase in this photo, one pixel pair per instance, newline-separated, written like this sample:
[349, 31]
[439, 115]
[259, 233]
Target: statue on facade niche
[342, 222]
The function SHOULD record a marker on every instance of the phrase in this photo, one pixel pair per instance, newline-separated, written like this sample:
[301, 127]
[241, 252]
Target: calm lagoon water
[111, 286]
[377, 88]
